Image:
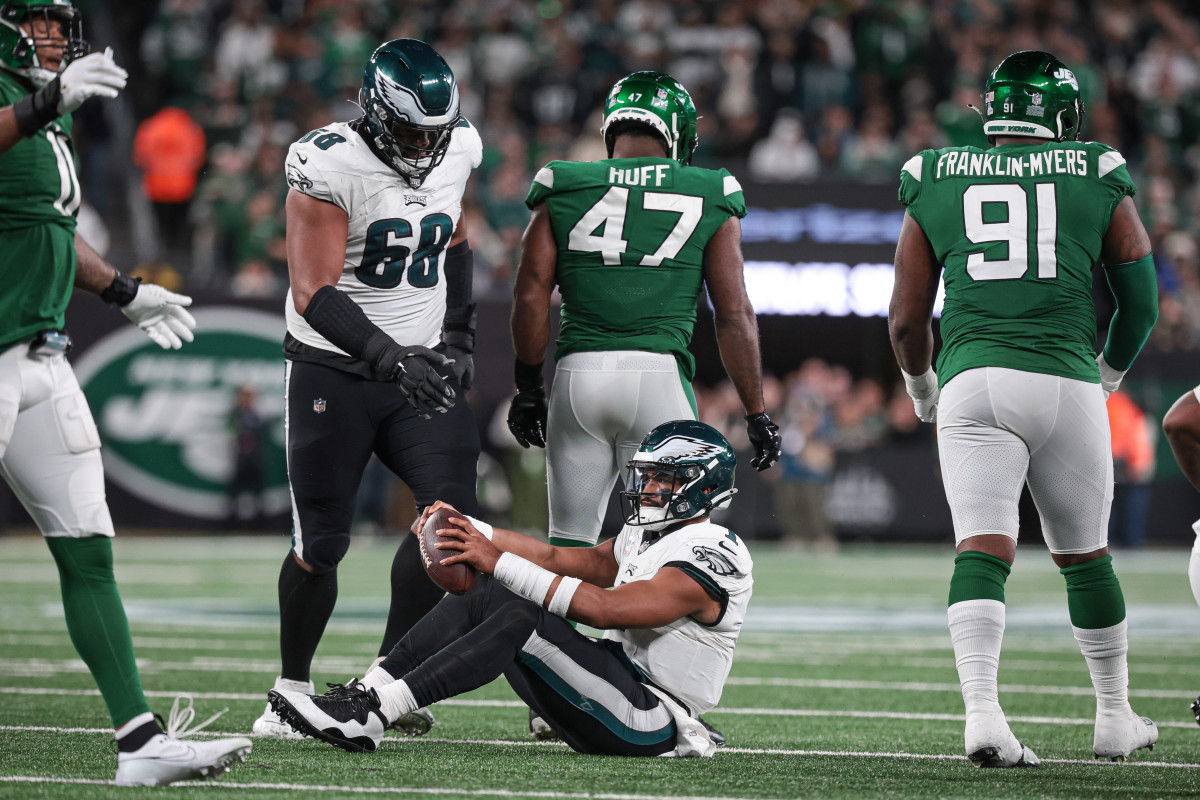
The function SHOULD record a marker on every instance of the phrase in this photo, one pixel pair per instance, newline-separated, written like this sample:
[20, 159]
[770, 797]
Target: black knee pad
[323, 553]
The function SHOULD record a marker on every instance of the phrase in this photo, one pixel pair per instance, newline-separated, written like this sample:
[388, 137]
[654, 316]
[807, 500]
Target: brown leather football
[454, 578]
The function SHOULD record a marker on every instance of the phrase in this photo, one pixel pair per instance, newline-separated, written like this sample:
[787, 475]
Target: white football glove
[162, 315]
[1110, 379]
[924, 391]
[94, 75]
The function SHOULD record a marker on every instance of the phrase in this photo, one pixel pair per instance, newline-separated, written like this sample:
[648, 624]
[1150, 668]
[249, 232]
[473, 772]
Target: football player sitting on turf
[680, 587]
[1016, 231]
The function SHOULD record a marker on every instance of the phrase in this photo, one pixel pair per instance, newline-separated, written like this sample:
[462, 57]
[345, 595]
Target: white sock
[396, 700]
[290, 685]
[977, 631]
[376, 678]
[1194, 566]
[1105, 651]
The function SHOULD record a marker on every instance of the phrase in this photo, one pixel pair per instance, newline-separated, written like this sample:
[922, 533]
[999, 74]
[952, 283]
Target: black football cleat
[715, 735]
[348, 717]
[1196, 710]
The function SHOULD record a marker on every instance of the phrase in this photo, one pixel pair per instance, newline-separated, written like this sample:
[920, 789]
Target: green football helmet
[18, 48]
[681, 471]
[1032, 94]
[410, 106]
[658, 100]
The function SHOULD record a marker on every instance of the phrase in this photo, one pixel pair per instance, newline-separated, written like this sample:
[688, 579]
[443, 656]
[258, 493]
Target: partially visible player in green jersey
[1016, 231]
[49, 445]
[630, 241]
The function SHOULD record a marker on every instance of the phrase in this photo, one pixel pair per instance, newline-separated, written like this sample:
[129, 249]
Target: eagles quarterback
[630, 241]
[670, 592]
[1019, 393]
[380, 334]
[49, 445]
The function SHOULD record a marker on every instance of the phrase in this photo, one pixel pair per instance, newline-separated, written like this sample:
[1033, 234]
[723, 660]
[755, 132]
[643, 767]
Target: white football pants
[601, 407]
[49, 445]
[999, 428]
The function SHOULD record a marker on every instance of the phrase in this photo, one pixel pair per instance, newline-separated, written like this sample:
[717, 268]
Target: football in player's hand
[454, 578]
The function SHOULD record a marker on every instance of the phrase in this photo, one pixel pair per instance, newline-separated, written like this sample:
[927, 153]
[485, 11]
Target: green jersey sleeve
[910, 183]
[732, 199]
[1113, 174]
[542, 186]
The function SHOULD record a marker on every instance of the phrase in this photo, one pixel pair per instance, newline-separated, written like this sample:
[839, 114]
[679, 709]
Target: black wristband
[459, 269]
[121, 291]
[343, 324]
[36, 111]
[529, 376]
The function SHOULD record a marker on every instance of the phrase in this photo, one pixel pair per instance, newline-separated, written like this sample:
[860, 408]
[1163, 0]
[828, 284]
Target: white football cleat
[269, 724]
[348, 717]
[539, 729]
[165, 759]
[1119, 735]
[990, 743]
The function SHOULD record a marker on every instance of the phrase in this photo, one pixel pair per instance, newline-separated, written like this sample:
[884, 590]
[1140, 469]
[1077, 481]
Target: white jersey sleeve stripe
[545, 176]
[1109, 160]
[731, 185]
[913, 167]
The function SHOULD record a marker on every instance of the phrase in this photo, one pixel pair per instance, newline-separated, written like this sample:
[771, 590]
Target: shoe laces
[347, 701]
[342, 690]
[180, 718]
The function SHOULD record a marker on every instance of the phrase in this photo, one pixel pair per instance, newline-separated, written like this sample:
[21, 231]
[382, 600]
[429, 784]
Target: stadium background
[813, 105]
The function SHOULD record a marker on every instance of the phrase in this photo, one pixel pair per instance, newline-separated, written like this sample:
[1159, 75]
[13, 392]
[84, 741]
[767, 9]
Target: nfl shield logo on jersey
[319, 405]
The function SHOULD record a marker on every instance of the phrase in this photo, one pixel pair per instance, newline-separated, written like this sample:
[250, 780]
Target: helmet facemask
[26, 27]
[659, 494]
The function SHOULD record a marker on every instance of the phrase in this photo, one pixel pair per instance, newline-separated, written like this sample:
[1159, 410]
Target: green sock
[97, 623]
[978, 576]
[559, 541]
[1094, 594]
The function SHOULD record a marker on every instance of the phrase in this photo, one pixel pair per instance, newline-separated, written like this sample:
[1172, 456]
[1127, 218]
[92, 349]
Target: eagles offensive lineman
[1018, 229]
[49, 445]
[680, 586]
[380, 334]
[630, 241]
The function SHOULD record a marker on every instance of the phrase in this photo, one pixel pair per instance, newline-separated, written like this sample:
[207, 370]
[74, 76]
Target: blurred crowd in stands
[788, 90]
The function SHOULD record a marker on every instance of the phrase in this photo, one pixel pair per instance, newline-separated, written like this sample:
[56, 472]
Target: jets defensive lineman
[1019, 393]
[671, 591]
[380, 334]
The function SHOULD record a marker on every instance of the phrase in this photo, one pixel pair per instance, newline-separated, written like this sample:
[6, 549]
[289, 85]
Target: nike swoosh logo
[303, 160]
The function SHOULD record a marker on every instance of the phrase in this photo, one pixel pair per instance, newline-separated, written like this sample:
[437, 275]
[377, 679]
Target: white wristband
[486, 530]
[524, 577]
[562, 596]
[920, 386]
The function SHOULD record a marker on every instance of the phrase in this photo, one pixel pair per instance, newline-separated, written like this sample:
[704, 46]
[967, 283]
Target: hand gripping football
[454, 578]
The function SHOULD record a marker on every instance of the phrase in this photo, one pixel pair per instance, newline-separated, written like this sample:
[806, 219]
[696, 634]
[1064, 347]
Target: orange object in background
[1132, 442]
[170, 149]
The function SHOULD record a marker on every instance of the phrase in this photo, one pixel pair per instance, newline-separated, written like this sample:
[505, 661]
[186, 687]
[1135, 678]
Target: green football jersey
[39, 197]
[1017, 230]
[631, 234]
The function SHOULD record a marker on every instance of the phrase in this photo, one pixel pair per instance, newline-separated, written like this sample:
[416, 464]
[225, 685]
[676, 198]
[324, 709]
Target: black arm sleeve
[460, 270]
[335, 316]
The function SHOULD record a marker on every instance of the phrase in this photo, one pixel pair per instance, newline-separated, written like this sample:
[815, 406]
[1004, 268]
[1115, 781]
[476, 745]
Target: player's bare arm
[595, 565]
[661, 600]
[910, 315]
[1182, 428]
[92, 273]
[316, 245]
[533, 287]
[733, 316]
[1126, 239]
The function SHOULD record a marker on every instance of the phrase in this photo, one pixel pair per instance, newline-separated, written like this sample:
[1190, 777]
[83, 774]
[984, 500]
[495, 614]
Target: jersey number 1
[609, 212]
[1014, 230]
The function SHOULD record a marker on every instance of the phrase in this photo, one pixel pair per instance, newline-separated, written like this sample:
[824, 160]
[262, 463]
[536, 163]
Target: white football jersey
[397, 236]
[687, 658]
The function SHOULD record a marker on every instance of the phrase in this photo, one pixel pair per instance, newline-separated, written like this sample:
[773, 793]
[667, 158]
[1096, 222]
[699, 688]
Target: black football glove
[458, 343]
[412, 368]
[764, 435]
[527, 417]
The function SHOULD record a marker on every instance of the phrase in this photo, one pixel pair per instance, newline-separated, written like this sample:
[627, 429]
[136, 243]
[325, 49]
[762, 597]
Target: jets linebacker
[380, 334]
[671, 592]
